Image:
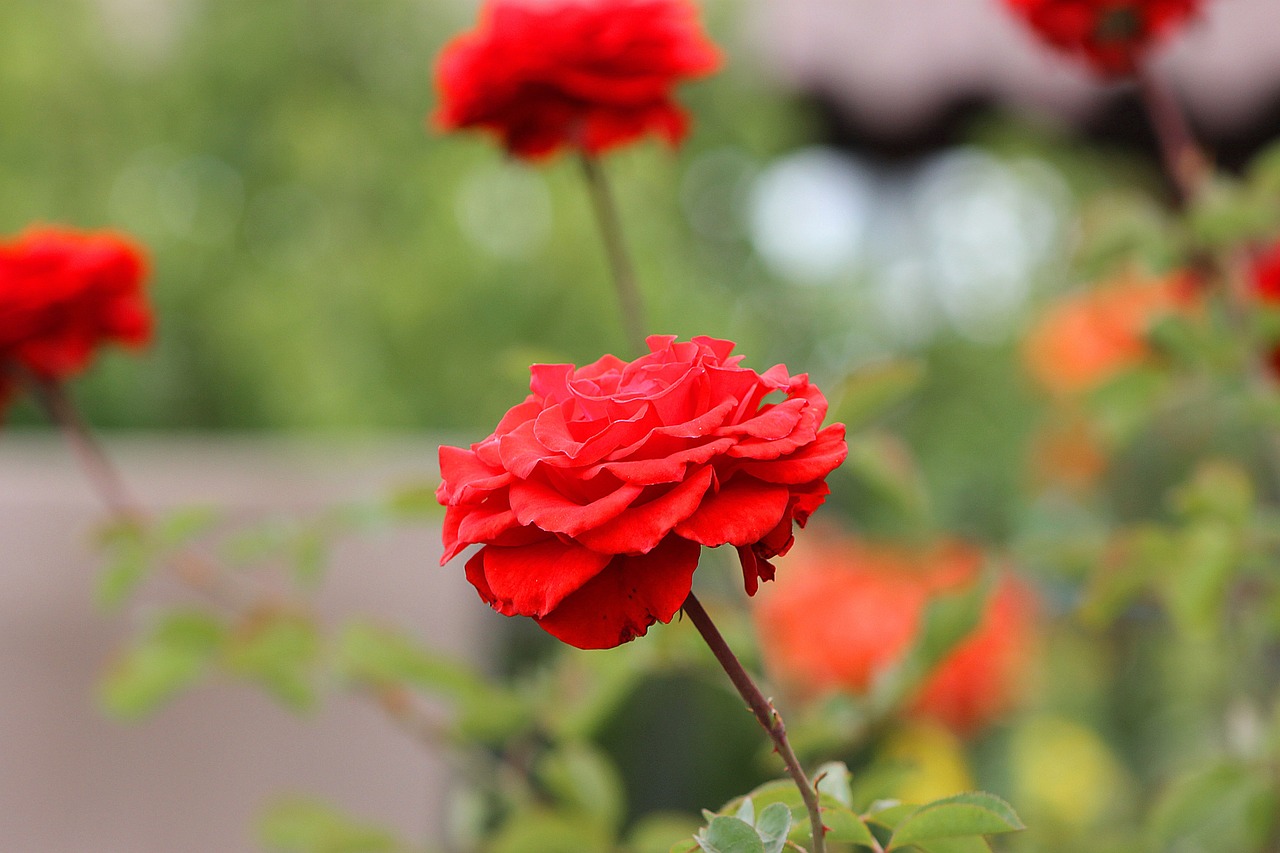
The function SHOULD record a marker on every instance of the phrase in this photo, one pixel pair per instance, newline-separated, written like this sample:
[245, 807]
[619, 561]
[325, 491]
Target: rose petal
[668, 468]
[537, 503]
[630, 594]
[809, 463]
[741, 513]
[530, 580]
[464, 477]
[643, 526]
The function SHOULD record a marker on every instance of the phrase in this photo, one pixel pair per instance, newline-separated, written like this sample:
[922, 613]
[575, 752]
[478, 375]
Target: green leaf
[746, 811]
[1218, 489]
[280, 651]
[179, 528]
[1225, 807]
[965, 814]
[1200, 574]
[730, 835]
[173, 655]
[310, 557]
[968, 844]
[130, 560]
[308, 826]
[835, 780]
[947, 621]
[1228, 214]
[844, 825]
[871, 391]
[383, 656]
[889, 813]
[1122, 406]
[773, 826]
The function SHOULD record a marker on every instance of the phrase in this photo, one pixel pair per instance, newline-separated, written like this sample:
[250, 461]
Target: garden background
[887, 198]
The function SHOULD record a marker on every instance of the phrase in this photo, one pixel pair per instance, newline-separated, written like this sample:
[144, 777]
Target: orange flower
[1088, 338]
[844, 610]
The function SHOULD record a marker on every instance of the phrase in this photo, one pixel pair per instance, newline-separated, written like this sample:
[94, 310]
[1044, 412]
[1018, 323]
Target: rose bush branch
[106, 480]
[763, 710]
[1183, 159]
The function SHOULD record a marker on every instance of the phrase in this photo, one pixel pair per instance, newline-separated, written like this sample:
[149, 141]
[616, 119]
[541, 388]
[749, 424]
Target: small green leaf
[171, 657]
[889, 813]
[965, 814]
[843, 825]
[179, 528]
[730, 835]
[746, 811]
[310, 557]
[1200, 573]
[947, 621]
[307, 826]
[130, 563]
[279, 651]
[383, 656]
[835, 780]
[773, 826]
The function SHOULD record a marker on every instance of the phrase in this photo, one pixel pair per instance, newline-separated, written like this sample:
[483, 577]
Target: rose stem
[102, 475]
[764, 711]
[191, 568]
[1185, 163]
[623, 271]
[1190, 170]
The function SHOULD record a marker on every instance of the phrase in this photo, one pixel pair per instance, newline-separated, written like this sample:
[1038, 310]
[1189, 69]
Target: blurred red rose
[588, 74]
[1088, 338]
[594, 496]
[846, 610]
[63, 293]
[1113, 36]
[1266, 284]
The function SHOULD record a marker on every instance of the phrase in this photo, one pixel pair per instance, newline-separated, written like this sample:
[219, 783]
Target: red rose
[62, 294]
[847, 610]
[1266, 284]
[569, 73]
[1113, 36]
[594, 496]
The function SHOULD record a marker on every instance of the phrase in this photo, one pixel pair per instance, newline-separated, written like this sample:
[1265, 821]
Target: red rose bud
[846, 610]
[584, 74]
[593, 498]
[1112, 36]
[64, 293]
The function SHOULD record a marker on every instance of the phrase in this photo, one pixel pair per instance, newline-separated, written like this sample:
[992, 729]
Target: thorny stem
[623, 271]
[764, 711]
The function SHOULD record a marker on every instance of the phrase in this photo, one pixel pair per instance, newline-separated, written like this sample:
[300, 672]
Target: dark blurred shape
[899, 79]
